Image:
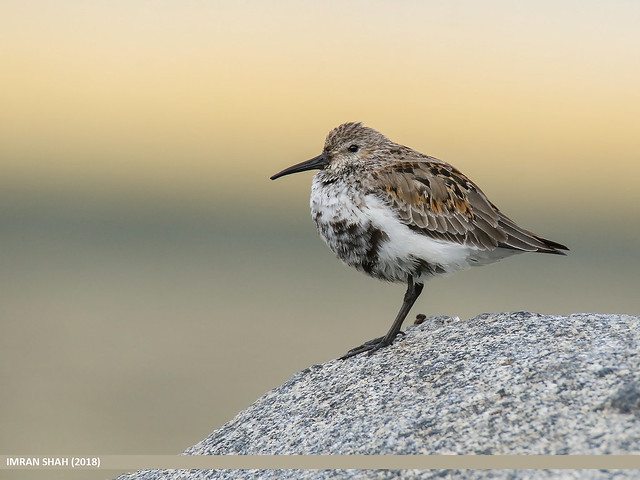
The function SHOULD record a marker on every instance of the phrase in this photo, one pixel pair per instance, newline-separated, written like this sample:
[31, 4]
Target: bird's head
[351, 145]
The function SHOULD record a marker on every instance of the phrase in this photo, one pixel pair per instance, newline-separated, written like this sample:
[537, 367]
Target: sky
[175, 99]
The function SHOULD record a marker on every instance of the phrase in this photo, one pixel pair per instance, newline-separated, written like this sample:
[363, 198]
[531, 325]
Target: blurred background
[155, 282]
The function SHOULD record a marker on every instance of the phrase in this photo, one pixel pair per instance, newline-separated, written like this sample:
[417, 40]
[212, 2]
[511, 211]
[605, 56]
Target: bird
[401, 216]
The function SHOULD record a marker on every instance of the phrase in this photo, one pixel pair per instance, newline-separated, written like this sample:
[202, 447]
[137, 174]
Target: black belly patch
[423, 267]
[376, 237]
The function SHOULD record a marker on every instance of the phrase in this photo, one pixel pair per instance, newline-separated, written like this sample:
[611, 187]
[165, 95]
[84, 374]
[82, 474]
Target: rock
[507, 383]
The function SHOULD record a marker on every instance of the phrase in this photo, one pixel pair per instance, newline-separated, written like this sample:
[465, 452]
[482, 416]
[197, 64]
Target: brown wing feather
[433, 198]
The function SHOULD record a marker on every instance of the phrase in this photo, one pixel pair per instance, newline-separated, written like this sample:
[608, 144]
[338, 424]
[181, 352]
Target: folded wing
[435, 199]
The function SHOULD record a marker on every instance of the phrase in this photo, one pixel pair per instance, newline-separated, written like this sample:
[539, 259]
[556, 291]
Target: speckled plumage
[399, 215]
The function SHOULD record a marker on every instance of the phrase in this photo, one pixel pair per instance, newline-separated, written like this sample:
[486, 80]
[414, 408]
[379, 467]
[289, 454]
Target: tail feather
[524, 240]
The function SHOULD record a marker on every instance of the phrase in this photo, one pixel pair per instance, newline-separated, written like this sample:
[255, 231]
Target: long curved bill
[316, 163]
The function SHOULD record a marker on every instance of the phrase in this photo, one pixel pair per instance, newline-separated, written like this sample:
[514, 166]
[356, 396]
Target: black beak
[316, 163]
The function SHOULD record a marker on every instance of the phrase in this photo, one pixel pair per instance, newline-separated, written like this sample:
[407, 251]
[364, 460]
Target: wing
[435, 199]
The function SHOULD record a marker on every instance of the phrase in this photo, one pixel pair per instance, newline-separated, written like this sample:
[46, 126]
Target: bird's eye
[354, 148]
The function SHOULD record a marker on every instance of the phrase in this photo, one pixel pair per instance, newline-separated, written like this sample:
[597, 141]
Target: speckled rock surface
[508, 383]
[384, 474]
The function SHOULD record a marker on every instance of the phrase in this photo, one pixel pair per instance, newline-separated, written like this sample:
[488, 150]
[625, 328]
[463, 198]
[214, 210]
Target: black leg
[411, 295]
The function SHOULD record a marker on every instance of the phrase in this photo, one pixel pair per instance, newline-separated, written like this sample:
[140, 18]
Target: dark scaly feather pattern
[434, 198]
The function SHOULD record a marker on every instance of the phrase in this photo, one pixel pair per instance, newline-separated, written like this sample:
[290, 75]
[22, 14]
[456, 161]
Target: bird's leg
[411, 295]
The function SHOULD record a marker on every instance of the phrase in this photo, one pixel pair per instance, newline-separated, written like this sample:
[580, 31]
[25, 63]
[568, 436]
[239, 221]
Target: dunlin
[401, 216]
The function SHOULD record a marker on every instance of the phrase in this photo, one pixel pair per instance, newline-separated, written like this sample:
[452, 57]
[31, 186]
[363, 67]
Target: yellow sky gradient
[187, 96]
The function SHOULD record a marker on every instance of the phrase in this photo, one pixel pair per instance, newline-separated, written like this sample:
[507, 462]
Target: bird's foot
[370, 347]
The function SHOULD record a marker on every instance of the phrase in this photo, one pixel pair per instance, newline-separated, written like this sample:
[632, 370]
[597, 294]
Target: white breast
[345, 219]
